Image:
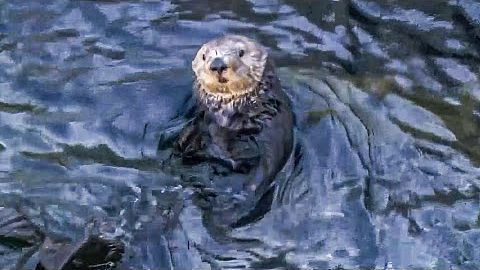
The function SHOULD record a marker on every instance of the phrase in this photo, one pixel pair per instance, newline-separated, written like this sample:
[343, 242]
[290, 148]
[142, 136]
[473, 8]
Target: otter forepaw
[253, 126]
[242, 166]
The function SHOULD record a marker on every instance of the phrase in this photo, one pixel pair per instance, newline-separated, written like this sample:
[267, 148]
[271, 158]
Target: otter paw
[242, 166]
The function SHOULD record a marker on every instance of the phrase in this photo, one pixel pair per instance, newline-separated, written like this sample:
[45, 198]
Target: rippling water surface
[386, 95]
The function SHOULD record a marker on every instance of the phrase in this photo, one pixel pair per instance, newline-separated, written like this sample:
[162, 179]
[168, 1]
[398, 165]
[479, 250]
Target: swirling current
[385, 172]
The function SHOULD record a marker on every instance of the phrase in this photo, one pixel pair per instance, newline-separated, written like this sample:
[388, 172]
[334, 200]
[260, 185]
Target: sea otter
[243, 118]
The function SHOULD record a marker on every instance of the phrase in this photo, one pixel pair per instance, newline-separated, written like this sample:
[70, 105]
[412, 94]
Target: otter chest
[249, 113]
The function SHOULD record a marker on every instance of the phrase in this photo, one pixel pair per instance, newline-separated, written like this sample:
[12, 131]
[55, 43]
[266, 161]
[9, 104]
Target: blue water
[386, 96]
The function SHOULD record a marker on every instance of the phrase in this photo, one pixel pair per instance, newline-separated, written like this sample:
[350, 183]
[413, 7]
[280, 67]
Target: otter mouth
[222, 79]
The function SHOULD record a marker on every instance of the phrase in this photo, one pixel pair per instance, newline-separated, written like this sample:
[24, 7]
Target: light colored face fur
[242, 60]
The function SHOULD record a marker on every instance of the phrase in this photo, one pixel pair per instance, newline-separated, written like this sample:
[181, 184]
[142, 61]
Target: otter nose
[218, 65]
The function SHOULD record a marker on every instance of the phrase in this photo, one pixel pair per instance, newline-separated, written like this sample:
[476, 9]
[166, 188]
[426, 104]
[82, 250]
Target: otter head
[229, 66]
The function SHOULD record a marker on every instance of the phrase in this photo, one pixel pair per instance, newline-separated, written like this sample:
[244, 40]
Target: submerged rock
[91, 253]
[16, 231]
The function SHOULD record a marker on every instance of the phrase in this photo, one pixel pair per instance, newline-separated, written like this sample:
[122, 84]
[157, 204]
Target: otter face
[229, 65]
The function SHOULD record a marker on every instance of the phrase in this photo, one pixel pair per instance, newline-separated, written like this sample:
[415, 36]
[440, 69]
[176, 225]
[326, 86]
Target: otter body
[243, 117]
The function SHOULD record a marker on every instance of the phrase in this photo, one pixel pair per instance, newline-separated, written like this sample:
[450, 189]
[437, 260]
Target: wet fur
[245, 125]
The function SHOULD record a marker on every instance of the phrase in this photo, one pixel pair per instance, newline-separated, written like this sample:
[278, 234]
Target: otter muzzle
[218, 65]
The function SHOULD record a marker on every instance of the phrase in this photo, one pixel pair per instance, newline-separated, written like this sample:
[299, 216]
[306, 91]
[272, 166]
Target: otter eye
[203, 57]
[241, 53]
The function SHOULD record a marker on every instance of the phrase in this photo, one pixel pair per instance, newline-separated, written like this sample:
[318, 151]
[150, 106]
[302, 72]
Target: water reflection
[386, 95]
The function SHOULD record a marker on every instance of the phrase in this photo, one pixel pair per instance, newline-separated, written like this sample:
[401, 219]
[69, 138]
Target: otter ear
[257, 61]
